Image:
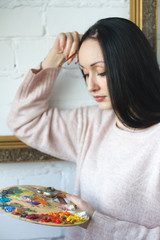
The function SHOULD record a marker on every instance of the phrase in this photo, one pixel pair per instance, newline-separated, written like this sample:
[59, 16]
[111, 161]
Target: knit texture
[118, 172]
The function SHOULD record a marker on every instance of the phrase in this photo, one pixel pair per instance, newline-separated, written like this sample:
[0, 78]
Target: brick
[24, 21]
[8, 89]
[6, 56]
[19, 3]
[7, 180]
[79, 19]
[30, 53]
[88, 3]
[68, 178]
[3, 118]
[48, 180]
[9, 86]
[47, 174]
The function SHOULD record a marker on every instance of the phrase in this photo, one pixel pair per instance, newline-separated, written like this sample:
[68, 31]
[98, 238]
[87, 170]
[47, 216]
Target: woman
[115, 144]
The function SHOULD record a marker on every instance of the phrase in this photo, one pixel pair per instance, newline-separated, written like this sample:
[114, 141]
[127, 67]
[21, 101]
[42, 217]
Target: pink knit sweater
[118, 172]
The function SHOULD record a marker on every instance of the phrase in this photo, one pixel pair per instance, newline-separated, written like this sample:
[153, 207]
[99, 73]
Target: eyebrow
[93, 64]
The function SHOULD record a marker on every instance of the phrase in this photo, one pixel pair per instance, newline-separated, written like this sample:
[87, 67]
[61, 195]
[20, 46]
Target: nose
[92, 83]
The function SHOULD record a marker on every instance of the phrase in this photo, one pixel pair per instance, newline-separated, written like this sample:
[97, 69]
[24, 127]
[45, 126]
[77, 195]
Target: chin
[105, 106]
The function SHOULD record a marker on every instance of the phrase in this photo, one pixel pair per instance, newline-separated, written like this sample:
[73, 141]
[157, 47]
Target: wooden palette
[41, 205]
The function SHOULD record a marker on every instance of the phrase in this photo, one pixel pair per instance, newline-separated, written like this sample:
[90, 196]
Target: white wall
[27, 31]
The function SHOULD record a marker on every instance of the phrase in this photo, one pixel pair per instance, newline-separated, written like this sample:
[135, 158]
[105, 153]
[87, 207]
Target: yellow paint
[73, 219]
[15, 197]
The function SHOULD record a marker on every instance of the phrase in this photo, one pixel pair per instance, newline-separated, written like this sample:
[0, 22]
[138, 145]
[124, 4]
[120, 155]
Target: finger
[68, 46]
[62, 41]
[76, 200]
[81, 204]
[76, 59]
[75, 46]
[71, 57]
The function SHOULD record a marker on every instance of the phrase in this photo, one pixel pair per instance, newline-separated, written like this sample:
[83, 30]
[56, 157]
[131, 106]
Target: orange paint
[41, 201]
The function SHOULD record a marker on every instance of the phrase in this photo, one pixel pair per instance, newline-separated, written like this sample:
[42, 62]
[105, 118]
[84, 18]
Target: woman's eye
[102, 74]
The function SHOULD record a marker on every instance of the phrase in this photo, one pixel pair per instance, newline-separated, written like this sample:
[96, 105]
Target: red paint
[32, 216]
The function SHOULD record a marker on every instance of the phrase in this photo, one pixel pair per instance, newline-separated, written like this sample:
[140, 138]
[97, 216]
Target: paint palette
[41, 205]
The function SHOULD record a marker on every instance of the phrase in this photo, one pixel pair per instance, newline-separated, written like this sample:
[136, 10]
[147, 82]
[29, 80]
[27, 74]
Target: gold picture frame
[144, 14]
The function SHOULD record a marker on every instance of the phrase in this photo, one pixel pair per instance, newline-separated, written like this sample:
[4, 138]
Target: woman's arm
[49, 130]
[105, 227]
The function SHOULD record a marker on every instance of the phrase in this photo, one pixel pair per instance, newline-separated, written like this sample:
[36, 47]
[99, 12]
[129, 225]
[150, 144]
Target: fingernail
[66, 57]
[69, 61]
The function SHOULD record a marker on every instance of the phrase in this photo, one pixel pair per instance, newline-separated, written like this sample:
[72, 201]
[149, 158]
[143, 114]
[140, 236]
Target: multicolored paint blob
[40, 205]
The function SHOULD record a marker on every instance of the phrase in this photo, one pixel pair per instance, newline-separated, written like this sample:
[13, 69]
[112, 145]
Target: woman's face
[91, 62]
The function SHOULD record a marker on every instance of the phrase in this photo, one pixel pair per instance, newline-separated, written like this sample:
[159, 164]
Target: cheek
[104, 86]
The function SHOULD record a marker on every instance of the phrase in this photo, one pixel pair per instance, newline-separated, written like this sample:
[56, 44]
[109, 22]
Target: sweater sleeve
[104, 227]
[31, 119]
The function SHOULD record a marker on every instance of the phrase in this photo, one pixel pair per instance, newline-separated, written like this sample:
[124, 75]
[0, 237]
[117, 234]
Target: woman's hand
[64, 49]
[81, 205]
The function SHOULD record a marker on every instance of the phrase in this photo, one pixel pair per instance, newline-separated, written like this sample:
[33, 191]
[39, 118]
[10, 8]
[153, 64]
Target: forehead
[90, 52]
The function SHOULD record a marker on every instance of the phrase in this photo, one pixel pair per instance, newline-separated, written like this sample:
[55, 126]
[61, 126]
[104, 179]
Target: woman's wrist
[53, 59]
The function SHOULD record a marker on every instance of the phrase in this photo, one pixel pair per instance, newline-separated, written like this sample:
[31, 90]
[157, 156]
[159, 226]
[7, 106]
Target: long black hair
[133, 74]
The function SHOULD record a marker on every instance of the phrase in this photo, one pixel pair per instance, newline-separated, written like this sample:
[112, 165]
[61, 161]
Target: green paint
[30, 210]
[3, 205]
[16, 190]
[16, 205]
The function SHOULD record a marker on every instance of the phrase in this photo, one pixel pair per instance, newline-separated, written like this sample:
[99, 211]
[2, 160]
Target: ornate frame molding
[13, 150]
[144, 14]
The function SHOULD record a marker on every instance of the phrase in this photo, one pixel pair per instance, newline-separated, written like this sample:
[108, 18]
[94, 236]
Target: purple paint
[35, 203]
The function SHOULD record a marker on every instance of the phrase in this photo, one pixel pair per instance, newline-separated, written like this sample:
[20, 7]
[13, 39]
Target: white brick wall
[7, 55]
[21, 21]
[27, 31]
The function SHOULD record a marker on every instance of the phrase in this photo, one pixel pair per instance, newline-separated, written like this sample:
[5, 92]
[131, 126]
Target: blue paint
[5, 199]
[8, 208]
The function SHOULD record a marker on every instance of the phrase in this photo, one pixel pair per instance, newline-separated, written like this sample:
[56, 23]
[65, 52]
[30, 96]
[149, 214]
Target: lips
[99, 98]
